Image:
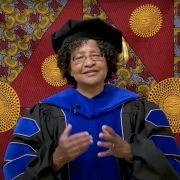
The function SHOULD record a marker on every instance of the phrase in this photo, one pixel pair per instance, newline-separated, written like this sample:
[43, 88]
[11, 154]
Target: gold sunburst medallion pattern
[51, 72]
[166, 94]
[9, 107]
[146, 20]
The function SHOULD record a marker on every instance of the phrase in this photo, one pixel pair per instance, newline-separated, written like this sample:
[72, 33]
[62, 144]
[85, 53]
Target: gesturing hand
[69, 147]
[117, 146]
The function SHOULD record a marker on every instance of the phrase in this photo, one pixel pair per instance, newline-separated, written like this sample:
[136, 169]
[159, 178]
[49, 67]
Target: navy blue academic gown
[139, 122]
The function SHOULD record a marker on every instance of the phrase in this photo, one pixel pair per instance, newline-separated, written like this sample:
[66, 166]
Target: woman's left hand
[117, 146]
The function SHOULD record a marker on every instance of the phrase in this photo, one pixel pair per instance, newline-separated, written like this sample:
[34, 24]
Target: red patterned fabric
[30, 82]
[156, 53]
[177, 136]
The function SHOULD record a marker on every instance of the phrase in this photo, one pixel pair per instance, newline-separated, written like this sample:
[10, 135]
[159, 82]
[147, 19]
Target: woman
[91, 131]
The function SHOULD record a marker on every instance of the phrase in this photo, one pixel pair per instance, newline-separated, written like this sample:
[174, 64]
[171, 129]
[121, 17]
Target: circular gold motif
[1, 107]
[146, 20]
[9, 107]
[51, 72]
[172, 105]
[166, 95]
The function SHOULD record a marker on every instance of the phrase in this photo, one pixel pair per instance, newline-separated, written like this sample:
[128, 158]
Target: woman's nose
[88, 61]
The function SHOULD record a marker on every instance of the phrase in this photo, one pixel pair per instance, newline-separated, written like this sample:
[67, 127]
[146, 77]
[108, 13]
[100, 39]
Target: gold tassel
[123, 56]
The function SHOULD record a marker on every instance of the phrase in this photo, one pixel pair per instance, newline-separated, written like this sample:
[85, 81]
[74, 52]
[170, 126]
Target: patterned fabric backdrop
[28, 71]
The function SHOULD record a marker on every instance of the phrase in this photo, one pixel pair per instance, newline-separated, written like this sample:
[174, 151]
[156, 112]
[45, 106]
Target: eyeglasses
[79, 58]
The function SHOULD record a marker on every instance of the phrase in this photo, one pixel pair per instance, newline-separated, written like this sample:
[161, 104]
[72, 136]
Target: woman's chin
[92, 82]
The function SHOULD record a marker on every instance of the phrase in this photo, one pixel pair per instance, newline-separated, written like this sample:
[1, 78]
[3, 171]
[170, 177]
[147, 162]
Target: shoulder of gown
[155, 150]
[35, 137]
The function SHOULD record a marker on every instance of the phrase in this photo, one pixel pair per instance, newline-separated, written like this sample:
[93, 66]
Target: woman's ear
[69, 70]
[70, 73]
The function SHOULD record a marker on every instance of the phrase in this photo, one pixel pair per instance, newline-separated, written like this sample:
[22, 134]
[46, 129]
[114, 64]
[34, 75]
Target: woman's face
[87, 65]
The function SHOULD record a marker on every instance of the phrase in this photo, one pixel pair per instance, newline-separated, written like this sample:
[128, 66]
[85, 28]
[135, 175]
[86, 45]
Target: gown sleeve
[29, 153]
[155, 150]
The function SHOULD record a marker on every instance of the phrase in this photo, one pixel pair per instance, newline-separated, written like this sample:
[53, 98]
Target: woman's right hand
[69, 147]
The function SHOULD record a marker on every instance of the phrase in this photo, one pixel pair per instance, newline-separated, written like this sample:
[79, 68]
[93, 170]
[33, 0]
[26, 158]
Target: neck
[90, 91]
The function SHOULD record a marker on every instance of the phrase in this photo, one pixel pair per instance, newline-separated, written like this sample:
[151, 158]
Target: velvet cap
[90, 28]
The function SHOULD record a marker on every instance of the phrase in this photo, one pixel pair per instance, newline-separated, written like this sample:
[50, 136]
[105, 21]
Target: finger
[66, 132]
[81, 135]
[103, 154]
[104, 130]
[109, 130]
[76, 152]
[79, 142]
[106, 136]
[105, 144]
[80, 149]
[75, 139]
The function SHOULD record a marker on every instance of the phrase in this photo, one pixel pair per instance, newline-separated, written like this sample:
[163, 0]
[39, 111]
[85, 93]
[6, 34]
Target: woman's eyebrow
[92, 51]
